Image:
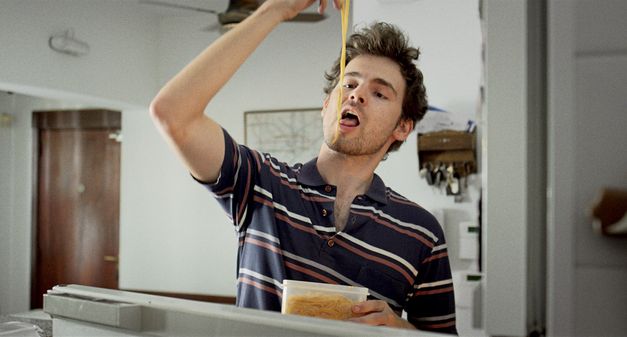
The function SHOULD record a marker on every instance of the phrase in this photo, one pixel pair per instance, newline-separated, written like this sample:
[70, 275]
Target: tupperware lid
[292, 284]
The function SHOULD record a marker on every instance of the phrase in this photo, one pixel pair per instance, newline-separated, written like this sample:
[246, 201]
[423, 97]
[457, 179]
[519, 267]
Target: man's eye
[349, 85]
[380, 95]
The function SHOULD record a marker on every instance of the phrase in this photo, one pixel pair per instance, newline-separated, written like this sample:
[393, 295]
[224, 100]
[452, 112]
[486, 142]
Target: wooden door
[77, 200]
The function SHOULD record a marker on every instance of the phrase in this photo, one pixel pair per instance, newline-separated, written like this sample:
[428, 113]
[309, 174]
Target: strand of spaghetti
[344, 12]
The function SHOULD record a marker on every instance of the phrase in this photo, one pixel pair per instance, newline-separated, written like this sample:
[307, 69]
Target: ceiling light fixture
[66, 43]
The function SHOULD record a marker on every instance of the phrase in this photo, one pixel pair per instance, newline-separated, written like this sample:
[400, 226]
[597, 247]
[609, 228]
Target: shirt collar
[309, 175]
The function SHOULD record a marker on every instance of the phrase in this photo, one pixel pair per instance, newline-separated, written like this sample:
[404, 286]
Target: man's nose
[356, 96]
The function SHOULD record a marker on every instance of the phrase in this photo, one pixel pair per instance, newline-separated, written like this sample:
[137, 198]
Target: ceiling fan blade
[171, 5]
[308, 17]
[233, 16]
[236, 12]
[214, 27]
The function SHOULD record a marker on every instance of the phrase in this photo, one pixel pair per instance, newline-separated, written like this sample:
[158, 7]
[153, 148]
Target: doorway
[76, 200]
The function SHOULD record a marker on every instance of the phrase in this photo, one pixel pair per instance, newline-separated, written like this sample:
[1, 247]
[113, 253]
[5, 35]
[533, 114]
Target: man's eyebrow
[378, 80]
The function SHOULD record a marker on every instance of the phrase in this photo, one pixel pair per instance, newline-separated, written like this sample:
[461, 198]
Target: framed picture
[290, 135]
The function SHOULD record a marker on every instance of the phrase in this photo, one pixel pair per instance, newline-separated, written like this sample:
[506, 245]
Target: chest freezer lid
[123, 309]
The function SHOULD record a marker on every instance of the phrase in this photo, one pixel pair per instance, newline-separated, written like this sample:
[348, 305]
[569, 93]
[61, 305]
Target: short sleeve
[234, 187]
[432, 304]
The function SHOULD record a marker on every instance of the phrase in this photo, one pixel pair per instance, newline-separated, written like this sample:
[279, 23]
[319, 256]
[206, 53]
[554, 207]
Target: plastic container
[320, 299]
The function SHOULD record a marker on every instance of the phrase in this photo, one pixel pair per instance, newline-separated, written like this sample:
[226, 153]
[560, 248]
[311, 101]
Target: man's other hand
[377, 312]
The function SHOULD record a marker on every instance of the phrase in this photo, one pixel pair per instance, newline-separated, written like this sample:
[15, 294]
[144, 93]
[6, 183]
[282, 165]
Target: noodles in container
[320, 299]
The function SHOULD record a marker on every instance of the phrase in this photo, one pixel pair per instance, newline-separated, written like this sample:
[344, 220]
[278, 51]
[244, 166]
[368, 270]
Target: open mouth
[349, 119]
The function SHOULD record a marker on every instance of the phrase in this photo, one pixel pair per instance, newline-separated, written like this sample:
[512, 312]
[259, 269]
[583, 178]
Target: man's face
[373, 92]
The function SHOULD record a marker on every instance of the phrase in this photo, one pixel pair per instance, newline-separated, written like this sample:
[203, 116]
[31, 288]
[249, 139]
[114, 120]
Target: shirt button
[330, 243]
[328, 188]
[324, 212]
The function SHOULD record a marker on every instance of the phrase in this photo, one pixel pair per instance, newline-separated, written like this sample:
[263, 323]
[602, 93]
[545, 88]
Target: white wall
[588, 75]
[6, 205]
[121, 65]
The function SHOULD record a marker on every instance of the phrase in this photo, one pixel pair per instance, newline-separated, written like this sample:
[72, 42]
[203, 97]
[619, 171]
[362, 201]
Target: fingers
[375, 313]
[378, 318]
[337, 4]
[322, 6]
[370, 306]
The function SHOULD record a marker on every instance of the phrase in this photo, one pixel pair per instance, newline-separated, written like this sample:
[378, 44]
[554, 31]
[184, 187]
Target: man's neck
[352, 175]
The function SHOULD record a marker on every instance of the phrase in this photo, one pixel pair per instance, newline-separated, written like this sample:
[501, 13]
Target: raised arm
[178, 108]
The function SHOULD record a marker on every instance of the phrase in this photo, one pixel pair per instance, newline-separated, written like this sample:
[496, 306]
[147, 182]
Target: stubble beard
[358, 146]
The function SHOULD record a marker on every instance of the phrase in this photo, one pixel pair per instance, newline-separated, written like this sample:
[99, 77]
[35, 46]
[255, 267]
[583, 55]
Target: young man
[332, 219]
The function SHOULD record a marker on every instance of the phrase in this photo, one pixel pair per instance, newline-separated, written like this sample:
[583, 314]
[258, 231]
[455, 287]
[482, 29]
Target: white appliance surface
[80, 310]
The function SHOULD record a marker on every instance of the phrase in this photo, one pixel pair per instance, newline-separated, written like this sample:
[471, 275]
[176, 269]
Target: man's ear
[403, 129]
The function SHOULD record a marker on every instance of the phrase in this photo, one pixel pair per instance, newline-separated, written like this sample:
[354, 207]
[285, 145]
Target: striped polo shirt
[283, 216]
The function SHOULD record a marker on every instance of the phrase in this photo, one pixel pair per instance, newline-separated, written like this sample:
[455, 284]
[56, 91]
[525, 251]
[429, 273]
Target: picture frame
[290, 135]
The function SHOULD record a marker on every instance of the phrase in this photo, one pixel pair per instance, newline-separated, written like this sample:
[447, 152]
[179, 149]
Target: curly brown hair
[384, 39]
